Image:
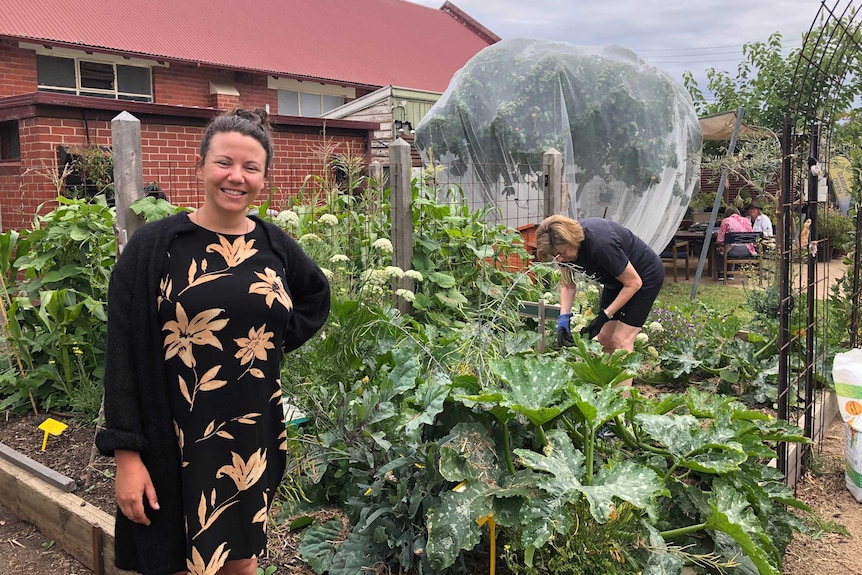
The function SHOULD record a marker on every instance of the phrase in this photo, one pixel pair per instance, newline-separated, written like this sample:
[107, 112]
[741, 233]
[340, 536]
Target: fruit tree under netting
[628, 133]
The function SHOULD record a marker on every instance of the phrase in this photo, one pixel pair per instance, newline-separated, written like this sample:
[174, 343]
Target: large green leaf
[317, 544]
[562, 461]
[597, 404]
[442, 280]
[731, 513]
[564, 471]
[452, 298]
[467, 456]
[680, 359]
[543, 516]
[529, 385]
[355, 554]
[600, 369]
[468, 453]
[8, 242]
[628, 481]
[660, 562]
[704, 450]
[403, 376]
[429, 400]
[452, 525]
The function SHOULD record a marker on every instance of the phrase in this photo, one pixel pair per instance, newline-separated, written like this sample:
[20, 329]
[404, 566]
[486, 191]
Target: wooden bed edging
[83, 530]
[46, 474]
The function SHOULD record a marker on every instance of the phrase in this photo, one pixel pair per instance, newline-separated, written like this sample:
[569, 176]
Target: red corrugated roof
[364, 42]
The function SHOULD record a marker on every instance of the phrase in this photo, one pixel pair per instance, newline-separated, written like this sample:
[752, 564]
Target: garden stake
[492, 526]
[53, 427]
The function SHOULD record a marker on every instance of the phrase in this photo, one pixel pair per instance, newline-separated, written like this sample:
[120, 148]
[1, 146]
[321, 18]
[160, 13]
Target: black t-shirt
[607, 249]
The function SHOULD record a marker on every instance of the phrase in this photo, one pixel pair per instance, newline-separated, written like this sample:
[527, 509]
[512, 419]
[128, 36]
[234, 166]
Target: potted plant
[835, 228]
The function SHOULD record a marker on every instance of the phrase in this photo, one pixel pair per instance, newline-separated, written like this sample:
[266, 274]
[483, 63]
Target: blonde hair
[556, 233]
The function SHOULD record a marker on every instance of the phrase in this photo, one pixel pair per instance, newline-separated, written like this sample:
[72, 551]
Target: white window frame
[310, 89]
[109, 59]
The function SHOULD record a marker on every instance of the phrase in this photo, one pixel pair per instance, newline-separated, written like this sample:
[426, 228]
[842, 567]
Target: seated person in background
[760, 222]
[733, 222]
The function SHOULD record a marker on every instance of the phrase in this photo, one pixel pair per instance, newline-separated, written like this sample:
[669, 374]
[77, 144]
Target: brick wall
[171, 132]
[188, 85]
[169, 151]
[17, 69]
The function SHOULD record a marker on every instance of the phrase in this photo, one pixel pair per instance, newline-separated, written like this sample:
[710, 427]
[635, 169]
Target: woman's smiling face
[232, 171]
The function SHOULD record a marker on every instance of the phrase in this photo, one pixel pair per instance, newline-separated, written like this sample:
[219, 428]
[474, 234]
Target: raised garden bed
[41, 496]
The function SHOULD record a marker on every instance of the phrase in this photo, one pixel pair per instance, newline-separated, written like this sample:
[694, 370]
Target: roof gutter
[36, 104]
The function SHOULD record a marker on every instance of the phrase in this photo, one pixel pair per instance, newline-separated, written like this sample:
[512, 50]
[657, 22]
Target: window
[294, 103]
[10, 143]
[89, 78]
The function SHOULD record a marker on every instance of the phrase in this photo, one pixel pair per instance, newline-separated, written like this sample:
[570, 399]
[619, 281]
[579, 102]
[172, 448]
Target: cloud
[676, 35]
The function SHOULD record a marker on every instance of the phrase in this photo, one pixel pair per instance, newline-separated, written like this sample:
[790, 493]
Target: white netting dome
[628, 133]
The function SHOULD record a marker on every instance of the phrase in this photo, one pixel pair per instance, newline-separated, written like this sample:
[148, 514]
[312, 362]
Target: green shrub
[56, 314]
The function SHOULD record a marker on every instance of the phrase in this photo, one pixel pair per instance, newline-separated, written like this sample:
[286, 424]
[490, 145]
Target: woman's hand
[132, 485]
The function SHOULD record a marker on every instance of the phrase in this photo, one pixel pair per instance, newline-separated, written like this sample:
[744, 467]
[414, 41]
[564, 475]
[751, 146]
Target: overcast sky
[675, 35]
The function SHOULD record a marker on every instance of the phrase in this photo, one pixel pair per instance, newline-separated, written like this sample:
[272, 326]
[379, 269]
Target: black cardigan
[137, 409]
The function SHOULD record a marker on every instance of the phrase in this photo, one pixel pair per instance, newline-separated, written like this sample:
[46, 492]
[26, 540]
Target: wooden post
[128, 174]
[375, 171]
[552, 168]
[401, 199]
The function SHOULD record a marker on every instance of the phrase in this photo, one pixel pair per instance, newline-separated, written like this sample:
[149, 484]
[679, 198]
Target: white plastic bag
[847, 374]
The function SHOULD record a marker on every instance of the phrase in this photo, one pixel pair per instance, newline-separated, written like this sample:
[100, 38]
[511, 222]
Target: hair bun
[258, 116]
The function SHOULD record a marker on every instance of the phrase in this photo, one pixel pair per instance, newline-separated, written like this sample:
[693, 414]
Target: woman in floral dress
[201, 309]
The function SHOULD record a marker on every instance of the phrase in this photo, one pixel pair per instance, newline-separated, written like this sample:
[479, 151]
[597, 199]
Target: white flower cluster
[393, 272]
[309, 239]
[655, 326]
[374, 282]
[414, 275]
[339, 259]
[382, 244]
[405, 294]
[287, 219]
[328, 220]
[642, 338]
[328, 273]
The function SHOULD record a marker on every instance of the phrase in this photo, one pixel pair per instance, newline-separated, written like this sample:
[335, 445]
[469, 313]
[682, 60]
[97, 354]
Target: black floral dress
[223, 308]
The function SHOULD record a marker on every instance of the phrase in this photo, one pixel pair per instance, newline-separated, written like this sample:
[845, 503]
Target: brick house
[67, 68]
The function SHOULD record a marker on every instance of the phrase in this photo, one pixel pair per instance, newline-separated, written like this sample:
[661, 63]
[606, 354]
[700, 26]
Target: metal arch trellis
[827, 62]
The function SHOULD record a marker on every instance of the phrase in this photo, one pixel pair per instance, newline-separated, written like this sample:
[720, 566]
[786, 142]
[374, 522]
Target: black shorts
[637, 309]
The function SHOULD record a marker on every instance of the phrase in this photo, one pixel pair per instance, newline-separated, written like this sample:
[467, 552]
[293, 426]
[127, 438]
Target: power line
[733, 46]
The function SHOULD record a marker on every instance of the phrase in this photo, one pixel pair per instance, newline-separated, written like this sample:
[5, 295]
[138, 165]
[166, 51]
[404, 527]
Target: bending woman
[630, 272]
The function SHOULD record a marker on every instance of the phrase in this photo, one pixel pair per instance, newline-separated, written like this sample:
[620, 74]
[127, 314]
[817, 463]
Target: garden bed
[68, 518]
[72, 515]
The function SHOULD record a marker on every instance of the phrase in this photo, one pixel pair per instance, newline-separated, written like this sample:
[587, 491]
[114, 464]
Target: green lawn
[724, 300]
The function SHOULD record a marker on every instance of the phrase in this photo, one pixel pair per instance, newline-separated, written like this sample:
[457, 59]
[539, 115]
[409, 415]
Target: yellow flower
[184, 334]
[244, 474]
[272, 287]
[233, 253]
[254, 346]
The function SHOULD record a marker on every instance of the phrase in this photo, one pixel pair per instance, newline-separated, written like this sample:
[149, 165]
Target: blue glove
[564, 331]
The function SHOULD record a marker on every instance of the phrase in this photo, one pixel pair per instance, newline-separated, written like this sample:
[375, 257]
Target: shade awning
[720, 127]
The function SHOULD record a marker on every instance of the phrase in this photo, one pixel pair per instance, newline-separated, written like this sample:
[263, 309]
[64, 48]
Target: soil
[25, 551]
